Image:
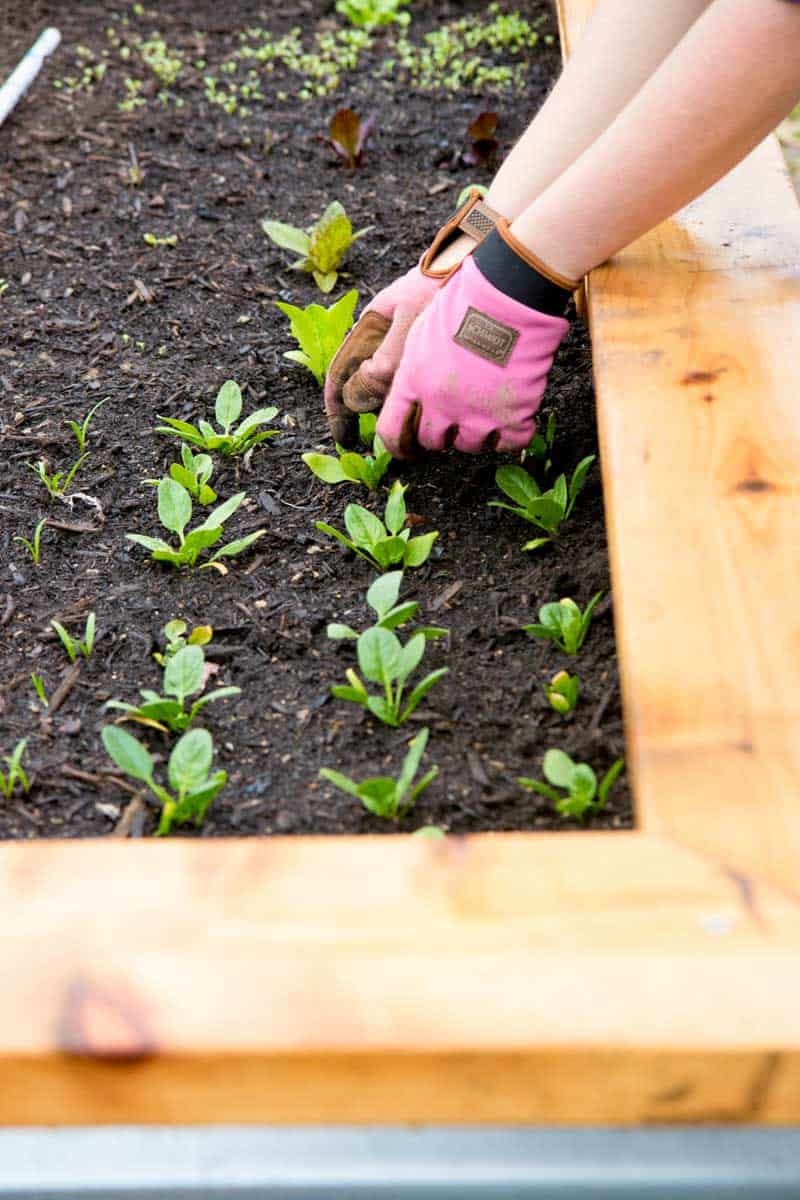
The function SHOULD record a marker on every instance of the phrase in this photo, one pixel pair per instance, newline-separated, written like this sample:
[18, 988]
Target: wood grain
[696, 345]
[600, 978]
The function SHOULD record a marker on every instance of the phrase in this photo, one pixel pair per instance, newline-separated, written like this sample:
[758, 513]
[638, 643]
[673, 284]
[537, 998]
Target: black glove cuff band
[511, 275]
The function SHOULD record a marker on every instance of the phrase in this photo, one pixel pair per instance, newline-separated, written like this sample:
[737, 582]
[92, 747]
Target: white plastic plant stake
[24, 74]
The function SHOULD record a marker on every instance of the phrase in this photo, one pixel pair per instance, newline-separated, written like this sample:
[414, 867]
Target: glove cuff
[475, 218]
[517, 272]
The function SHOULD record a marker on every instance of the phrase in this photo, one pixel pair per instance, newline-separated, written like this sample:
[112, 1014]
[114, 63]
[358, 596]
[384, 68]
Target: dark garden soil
[90, 311]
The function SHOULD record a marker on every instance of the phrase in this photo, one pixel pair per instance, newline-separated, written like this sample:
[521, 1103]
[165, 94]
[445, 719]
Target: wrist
[517, 272]
[454, 241]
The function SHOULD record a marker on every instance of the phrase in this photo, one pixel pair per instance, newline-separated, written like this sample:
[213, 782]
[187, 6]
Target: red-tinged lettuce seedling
[584, 796]
[348, 134]
[382, 659]
[319, 332]
[188, 773]
[350, 466]
[322, 247]
[382, 597]
[482, 144]
[389, 798]
[383, 545]
[184, 676]
[563, 623]
[547, 509]
[175, 512]
[227, 409]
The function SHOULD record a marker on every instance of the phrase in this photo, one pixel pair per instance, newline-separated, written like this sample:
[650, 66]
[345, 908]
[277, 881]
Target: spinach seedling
[227, 408]
[348, 134]
[540, 446]
[57, 483]
[382, 597]
[564, 624]
[350, 466]
[562, 692]
[319, 332]
[584, 794]
[383, 660]
[73, 646]
[184, 676]
[192, 472]
[34, 547]
[546, 509]
[38, 687]
[368, 14]
[383, 545]
[175, 512]
[82, 431]
[322, 247]
[175, 637]
[384, 796]
[188, 773]
[16, 771]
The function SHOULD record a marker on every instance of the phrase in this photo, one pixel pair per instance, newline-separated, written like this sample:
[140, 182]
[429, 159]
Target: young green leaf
[128, 753]
[319, 331]
[174, 506]
[228, 405]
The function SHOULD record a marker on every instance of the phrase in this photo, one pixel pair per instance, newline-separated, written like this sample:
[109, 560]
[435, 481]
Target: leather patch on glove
[487, 337]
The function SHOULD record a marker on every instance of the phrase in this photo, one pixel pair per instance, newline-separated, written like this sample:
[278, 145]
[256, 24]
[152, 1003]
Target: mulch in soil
[75, 329]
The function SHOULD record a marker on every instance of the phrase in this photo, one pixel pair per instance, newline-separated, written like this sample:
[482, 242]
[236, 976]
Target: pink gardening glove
[476, 360]
[362, 370]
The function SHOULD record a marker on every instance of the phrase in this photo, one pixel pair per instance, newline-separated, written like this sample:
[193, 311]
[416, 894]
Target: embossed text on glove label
[485, 336]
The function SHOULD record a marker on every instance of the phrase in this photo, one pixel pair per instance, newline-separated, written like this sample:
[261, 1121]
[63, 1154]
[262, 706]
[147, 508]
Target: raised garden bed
[76, 331]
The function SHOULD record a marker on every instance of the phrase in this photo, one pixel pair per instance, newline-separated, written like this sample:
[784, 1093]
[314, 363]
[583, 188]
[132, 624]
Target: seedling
[16, 772]
[152, 240]
[483, 145]
[429, 831]
[584, 796]
[192, 472]
[351, 467]
[368, 14]
[384, 660]
[383, 545]
[184, 676]
[319, 332]
[348, 134]
[38, 687]
[57, 483]
[175, 512]
[71, 646]
[465, 192]
[547, 509]
[562, 692]
[174, 634]
[227, 409]
[33, 547]
[82, 431]
[322, 247]
[382, 597]
[188, 774]
[564, 624]
[384, 796]
[540, 446]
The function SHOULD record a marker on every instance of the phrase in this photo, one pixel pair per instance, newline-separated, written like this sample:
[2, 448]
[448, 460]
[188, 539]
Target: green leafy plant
[348, 135]
[382, 597]
[82, 431]
[227, 409]
[73, 646]
[175, 637]
[350, 466]
[547, 509]
[540, 446]
[384, 660]
[368, 14]
[192, 472]
[184, 676]
[175, 512]
[564, 624]
[16, 771]
[33, 547]
[57, 483]
[583, 793]
[383, 545]
[322, 247]
[319, 332]
[188, 773]
[38, 687]
[562, 692]
[384, 796]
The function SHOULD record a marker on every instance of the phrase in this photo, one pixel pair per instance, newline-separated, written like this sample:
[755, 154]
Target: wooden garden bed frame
[597, 978]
